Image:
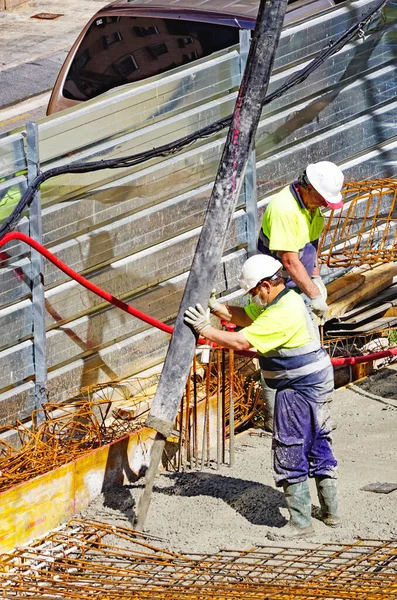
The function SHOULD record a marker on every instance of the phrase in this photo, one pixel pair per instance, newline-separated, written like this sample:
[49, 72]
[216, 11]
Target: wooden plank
[375, 280]
[388, 294]
[378, 325]
[363, 316]
[343, 286]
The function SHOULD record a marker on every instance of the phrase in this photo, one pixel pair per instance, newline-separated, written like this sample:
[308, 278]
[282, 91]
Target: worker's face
[314, 200]
[260, 293]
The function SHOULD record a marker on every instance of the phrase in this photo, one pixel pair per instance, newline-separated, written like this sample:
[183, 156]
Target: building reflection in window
[118, 50]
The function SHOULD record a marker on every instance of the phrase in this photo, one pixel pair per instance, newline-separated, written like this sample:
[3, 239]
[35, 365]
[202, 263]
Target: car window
[121, 49]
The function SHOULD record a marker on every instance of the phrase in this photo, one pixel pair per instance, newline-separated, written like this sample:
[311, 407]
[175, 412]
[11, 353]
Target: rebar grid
[366, 232]
[70, 430]
[96, 560]
[359, 344]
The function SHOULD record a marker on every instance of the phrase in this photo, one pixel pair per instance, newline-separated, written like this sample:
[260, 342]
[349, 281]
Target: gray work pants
[269, 397]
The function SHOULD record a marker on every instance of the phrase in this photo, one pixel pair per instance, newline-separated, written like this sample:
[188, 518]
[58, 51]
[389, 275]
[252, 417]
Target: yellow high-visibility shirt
[288, 225]
[284, 324]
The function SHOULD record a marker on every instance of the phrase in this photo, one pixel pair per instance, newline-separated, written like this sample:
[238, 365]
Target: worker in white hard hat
[278, 325]
[293, 222]
[291, 227]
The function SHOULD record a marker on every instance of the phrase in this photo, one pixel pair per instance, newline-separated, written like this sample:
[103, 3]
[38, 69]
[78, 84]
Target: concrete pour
[234, 508]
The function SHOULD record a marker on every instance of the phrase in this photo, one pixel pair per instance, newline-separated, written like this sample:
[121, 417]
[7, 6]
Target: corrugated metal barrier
[133, 231]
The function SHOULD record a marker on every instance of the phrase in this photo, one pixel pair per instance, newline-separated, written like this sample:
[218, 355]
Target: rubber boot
[328, 497]
[269, 397]
[297, 496]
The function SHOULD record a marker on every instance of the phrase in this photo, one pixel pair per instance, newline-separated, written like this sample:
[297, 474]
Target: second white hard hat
[327, 180]
[256, 268]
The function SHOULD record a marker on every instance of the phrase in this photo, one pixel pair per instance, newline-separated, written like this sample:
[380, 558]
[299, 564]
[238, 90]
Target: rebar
[105, 413]
[96, 560]
[359, 344]
[365, 231]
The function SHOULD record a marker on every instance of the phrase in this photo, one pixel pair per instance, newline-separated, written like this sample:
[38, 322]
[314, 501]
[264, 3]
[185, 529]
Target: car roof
[240, 13]
[242, 8]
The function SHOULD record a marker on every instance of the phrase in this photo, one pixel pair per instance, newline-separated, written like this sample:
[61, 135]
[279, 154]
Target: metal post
[218, 410]
[37, 276]
[231, 407]
[249, 185]
[195, 439]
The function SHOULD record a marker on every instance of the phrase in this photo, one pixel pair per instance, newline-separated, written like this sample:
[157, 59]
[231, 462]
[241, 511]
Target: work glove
[319, 308]
[213, 303]
[316, 279]
[198, 318]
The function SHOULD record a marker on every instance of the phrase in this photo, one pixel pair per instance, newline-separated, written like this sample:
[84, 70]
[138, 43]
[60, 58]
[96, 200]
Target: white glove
[319, 308]
[198, 318]
[213, 303]
[316, 279]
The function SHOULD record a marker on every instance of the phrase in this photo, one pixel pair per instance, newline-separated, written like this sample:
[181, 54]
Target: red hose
[355, 360]
[16, 235]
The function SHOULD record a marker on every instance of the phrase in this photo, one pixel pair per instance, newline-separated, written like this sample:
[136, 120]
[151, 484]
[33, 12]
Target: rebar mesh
[359, 344]
[366, 232]
[95, 560]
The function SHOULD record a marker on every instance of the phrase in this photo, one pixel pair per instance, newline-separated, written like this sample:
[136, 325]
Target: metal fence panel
[133, 231]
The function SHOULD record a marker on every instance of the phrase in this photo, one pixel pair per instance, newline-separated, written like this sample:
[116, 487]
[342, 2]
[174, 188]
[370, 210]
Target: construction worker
[277, 324]
[291, 227]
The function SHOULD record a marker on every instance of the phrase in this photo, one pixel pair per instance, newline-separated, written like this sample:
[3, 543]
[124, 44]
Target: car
[130, 40]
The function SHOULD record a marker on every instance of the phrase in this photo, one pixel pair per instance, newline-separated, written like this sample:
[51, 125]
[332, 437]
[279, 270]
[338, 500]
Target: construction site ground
[234, 508]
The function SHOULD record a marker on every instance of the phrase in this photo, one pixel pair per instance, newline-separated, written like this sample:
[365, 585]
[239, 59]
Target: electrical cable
[358, 29]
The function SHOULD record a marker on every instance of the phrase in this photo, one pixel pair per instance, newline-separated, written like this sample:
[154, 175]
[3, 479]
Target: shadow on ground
[258, 503]
[381, 383]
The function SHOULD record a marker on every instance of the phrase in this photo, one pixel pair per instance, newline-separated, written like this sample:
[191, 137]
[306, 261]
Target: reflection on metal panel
[133, 231]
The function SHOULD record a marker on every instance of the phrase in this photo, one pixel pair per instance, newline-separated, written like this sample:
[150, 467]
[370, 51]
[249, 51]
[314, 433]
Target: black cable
[173, 147]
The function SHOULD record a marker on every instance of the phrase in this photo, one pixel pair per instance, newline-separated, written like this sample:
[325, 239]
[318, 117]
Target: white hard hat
[256, 268]
[327, 180]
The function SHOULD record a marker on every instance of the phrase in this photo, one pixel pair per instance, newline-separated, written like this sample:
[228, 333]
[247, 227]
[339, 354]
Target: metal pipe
[37, 278]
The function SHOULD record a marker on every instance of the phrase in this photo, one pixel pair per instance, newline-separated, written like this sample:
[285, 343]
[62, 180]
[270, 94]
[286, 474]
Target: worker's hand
[213, 303]
[198, 318]
[320, 284]
[319, 308]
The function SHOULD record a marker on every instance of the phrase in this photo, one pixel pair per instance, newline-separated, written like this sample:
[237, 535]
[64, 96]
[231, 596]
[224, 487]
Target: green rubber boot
[297, 496]
[328, 497]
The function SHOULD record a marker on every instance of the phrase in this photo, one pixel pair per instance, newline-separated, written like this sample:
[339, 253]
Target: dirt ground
[235, 508]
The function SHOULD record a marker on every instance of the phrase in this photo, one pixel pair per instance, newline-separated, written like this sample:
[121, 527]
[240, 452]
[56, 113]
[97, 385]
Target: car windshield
[120, 49]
